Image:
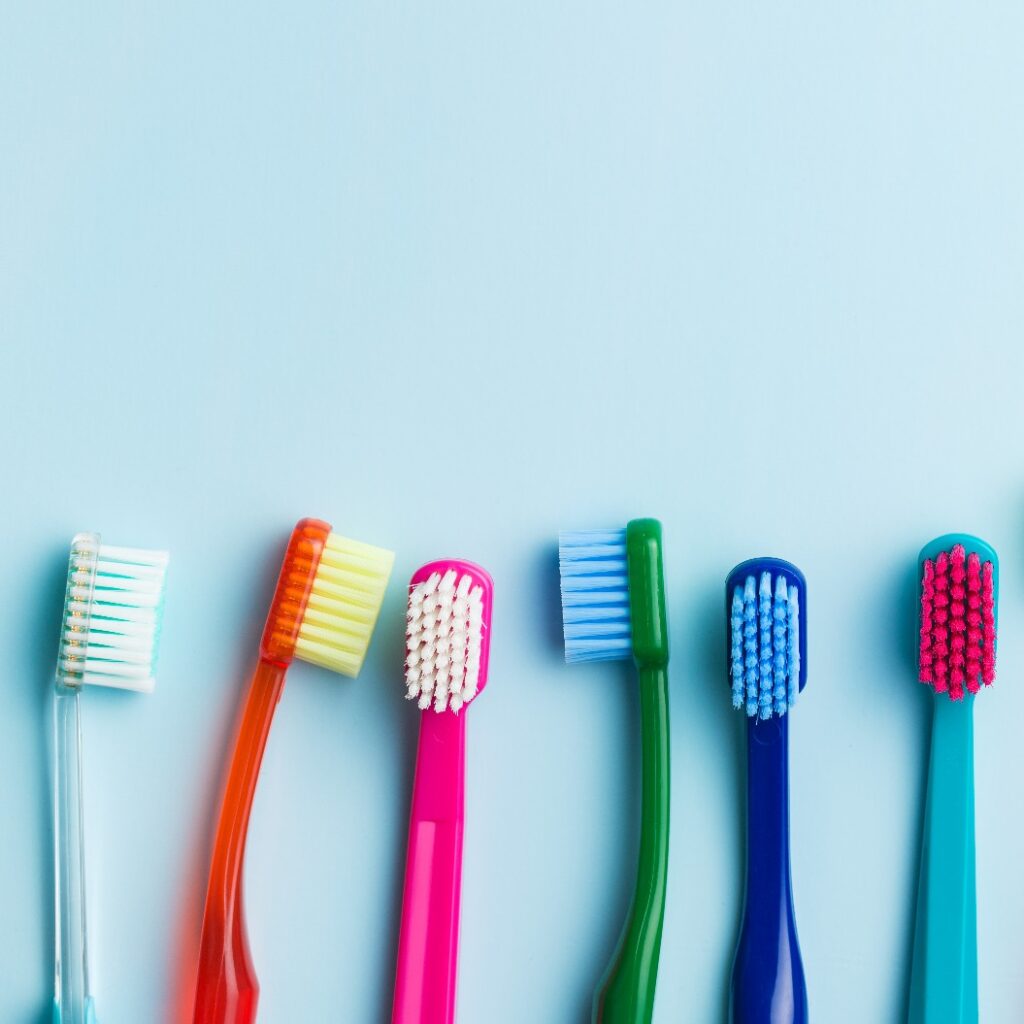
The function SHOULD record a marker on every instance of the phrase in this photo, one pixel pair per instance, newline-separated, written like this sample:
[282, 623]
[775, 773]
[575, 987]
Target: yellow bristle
[343, 605]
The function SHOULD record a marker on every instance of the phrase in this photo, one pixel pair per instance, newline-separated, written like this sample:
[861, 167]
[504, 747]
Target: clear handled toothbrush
[72, 1001]
[109, 637]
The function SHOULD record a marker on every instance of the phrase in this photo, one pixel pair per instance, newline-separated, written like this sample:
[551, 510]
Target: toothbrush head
[959, 580]
[448, 634]
[766, 607]
[112, 610]
[613, 594]
[327, 600]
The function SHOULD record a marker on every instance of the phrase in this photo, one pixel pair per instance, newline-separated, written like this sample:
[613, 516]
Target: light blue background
[454, 276]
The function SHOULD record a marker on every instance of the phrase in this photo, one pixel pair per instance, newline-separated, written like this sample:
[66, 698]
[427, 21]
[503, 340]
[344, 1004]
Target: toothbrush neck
[768, 867]
[768, 977]
[257, 716]
[439, 791]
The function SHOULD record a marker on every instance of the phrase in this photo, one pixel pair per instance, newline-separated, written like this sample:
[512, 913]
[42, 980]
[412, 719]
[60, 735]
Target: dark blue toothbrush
[767, 609]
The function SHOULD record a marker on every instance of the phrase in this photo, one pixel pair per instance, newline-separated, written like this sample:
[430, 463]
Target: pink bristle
[940, 617]
[974, 633]
[988, 624]
[924, 654]
[957, 621]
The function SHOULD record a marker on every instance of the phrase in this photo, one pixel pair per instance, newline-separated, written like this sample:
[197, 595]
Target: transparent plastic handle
[72, 1002]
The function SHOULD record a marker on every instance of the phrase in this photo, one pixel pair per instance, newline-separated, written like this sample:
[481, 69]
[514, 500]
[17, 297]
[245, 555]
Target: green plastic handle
[944, 976]
[626, 995]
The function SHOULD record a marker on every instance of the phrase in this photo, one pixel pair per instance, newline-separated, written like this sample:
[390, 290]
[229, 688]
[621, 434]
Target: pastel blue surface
[394, 265]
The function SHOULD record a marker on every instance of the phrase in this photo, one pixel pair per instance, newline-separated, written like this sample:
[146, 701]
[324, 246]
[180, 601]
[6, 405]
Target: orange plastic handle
[227, 989]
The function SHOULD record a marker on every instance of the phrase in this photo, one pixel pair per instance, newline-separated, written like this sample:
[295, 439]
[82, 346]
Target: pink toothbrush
[447, 647]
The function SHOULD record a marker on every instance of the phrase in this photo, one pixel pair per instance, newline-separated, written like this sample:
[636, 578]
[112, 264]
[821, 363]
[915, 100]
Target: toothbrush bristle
[595, 595]
[957, 644]
[444, 641]
[343, 605]
[112, 610]
[764, 645]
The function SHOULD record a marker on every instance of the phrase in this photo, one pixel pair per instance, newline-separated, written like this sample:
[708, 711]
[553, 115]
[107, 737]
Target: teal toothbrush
[109, 637]
[613, 607]
[959, 586]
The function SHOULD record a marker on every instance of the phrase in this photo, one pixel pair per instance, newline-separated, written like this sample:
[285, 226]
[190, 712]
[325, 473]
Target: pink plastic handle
[428, 945]
[428, 942]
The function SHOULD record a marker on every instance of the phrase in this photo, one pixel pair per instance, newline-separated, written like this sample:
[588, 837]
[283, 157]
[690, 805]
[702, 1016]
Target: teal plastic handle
[944, 976]
[626, 995]
[90, 1013]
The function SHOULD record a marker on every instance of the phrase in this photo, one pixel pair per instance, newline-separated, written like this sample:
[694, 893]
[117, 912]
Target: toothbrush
[959, 587]
[109, 637]
[766, 606]
[447, 653]
[613, 607]
[324, 610]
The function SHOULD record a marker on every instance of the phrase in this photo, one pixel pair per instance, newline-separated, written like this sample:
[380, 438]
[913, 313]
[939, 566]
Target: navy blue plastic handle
[768, 985]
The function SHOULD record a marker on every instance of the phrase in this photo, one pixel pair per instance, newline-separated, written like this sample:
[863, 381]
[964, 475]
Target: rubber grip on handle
[768, 983]
[428, 944]
[227, 989]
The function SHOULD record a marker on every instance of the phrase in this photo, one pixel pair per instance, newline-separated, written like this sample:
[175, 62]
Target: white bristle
[111, 626]
[444, 638]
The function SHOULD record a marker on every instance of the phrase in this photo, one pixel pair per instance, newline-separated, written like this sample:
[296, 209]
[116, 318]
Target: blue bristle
[793, 624]
[750, 643]
[764, 645]
[595, 595]
[780, 611]
[764, 607]
[736, 647]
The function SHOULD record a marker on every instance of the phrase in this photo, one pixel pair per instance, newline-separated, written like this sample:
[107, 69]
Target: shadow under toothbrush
[43, 623]
[714, 717]
[901, 615]
[549, 605]
[623, 791]
[403, 723]
[183, 973]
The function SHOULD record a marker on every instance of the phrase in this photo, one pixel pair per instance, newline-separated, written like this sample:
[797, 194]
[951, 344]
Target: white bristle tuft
[444, 639]
[112, 610]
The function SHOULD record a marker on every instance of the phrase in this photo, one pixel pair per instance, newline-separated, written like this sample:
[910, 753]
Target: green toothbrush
[959, 577]
[613, 608]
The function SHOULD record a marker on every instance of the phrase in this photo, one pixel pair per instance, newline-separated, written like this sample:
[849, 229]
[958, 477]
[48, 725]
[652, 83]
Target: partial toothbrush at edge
[613, 608]
[110, 634]
[448, 628]
[958, 578]
[766, 611]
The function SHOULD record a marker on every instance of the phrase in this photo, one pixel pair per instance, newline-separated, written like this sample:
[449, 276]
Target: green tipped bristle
[112, 613]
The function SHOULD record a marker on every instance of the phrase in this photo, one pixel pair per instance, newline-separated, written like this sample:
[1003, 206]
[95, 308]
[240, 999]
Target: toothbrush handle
[227, 989]
[71, 1003]
[944, 976]
[768, 984]
[428, 941]
[626, 995]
